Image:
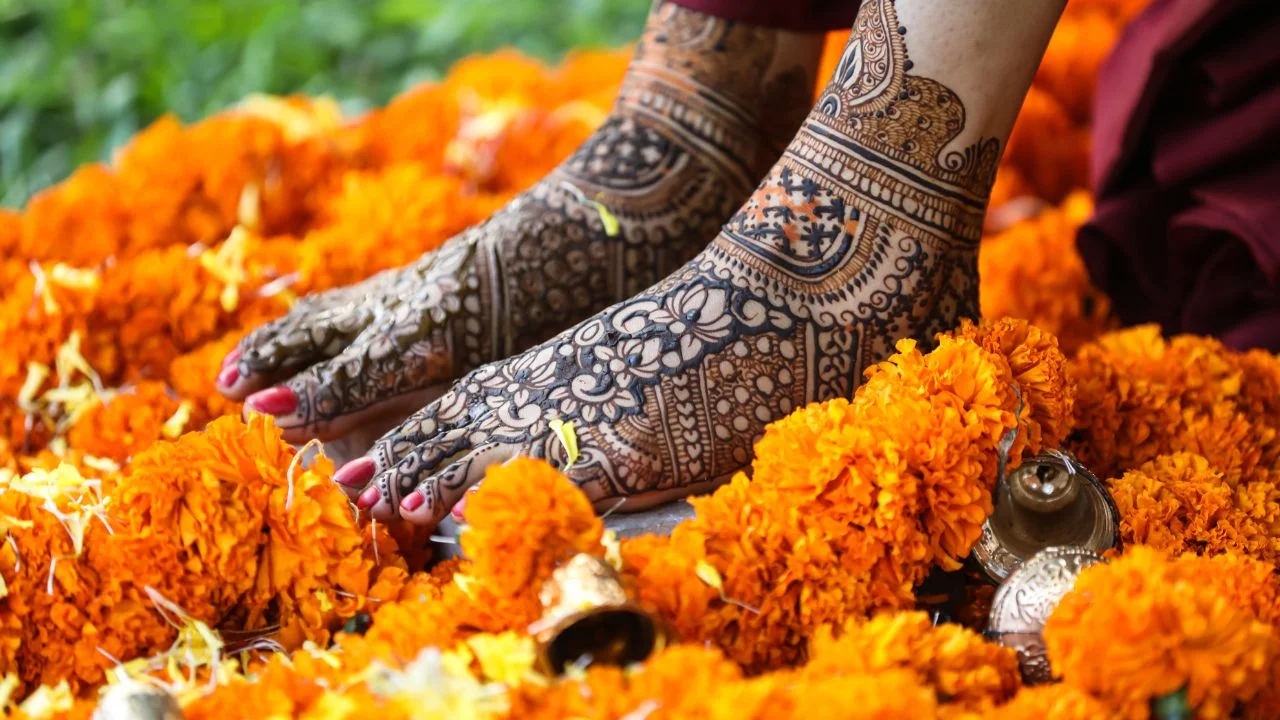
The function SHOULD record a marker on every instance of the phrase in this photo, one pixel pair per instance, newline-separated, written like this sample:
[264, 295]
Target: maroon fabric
[795, 15]
[1186, 169]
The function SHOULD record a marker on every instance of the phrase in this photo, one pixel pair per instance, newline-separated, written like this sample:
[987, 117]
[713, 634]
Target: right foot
[705, 109]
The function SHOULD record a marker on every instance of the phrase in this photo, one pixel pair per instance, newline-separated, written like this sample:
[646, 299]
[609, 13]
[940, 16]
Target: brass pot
[1049, 500]
[588, 619]
[1024, 602]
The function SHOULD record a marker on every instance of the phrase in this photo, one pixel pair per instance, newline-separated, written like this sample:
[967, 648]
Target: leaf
[1173, 706]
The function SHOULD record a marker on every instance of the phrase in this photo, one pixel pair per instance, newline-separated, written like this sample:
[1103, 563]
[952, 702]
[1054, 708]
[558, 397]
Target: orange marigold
[964, 670]
[524, 521]
[1144, 626]
[1140, 396]
[851, 503]
[1033, 271]
[1055, 702]
[1179, 503]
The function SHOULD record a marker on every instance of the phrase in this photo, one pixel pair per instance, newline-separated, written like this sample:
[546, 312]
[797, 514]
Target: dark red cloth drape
[794, 15]
[1186, 170]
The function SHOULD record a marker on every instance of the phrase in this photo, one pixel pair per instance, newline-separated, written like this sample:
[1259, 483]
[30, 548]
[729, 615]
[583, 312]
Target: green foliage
[79, 77]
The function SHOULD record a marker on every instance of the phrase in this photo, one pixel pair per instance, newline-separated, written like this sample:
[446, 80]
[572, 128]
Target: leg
[864, 232]
[705, 109]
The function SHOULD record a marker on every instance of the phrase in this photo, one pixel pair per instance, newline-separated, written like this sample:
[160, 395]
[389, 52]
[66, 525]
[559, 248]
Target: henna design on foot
[702, 113]
[865, 231]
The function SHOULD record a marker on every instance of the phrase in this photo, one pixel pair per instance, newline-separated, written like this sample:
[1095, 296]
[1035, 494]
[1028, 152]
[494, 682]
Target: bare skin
[705, 108]
[864, 232]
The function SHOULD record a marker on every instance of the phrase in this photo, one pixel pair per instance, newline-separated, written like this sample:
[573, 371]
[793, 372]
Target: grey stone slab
[658, 521]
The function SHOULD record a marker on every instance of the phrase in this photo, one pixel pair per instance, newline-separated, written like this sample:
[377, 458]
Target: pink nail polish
[412, 502]
[231, 357]
[274, 401]
[355, 473]
[228, 376]
[368, 498]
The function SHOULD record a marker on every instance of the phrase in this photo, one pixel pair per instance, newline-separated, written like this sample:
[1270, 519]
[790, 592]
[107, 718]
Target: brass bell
[1049, 500]
[135, 700]
[588, 619]
[1024, 602]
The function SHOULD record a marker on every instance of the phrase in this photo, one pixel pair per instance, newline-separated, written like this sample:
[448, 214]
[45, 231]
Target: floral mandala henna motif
[865, 232]
[695, 125]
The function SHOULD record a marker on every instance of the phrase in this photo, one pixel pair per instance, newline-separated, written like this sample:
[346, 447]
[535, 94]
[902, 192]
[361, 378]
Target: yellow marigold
[961, 667]
[1144, 626]
[524, 521]
[1033, 271]
[1179, 503]
[1054, 702]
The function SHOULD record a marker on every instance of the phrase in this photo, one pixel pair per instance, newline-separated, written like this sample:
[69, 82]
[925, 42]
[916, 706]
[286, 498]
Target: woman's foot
[866, 231]
[705, 108]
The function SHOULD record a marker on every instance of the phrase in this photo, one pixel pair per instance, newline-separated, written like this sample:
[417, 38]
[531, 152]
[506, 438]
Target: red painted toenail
[355, 473]
[274, 401]
[231, 357]
[228, 376]
[412, 502]
[368, 498]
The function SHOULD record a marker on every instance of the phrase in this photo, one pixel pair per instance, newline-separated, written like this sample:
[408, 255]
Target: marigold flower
[963, 669]
[523, 521]
[1061, 701]
[1179, 503]
[1033, 271]
[1144, 626]
[1141, 396]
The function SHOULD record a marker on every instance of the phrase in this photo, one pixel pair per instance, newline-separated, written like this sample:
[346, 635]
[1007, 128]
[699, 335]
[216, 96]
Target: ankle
[733, 93]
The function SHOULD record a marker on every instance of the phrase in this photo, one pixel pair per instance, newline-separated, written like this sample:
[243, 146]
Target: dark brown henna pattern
[696, 123]
[865, 232]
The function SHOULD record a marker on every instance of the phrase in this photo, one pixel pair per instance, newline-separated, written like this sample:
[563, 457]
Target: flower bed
[149, 532]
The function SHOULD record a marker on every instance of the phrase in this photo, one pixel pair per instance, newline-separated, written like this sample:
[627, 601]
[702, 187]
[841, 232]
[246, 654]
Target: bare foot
[866, 231]
[706, 107]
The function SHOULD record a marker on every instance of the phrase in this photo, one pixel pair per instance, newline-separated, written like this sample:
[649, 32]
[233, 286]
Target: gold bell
[1024, 602]
[134, 700]
[588, 619]
[1049, 500]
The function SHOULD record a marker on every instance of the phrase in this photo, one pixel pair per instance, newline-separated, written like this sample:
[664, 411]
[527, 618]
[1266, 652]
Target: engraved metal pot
[588, 619]
[1024, 602]
[134, 700]
[1049, 500]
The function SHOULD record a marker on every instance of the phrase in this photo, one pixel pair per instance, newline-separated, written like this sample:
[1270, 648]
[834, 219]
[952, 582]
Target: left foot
[865, 232]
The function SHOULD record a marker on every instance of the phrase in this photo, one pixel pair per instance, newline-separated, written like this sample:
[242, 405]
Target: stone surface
[658, 521]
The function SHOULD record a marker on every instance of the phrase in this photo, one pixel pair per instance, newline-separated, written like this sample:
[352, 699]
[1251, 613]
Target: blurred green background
[79, 77]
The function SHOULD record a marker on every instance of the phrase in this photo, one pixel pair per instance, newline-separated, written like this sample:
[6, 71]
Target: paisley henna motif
[696, 123]
[864, 232]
